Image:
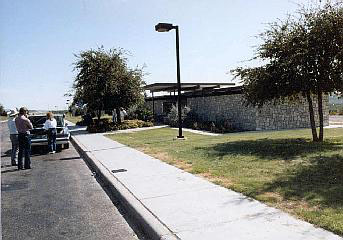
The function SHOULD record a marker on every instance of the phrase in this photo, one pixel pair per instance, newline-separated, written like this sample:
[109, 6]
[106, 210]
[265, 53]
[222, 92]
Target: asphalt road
[57, 199]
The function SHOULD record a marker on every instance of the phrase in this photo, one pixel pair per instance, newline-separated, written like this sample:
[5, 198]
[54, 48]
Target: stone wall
[225, 107]
[290, 114]
[283, 115]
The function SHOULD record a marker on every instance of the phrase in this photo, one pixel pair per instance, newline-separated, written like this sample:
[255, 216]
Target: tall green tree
[105, 82]
[2, 109]
[303, 55]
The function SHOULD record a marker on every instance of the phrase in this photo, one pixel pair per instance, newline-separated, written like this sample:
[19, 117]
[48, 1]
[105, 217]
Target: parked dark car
[39, 134]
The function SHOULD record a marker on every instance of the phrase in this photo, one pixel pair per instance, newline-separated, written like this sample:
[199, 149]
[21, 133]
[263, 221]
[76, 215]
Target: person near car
[13, 136]
[50, 126]
[114, 116]
[123, 114]
[24, 125]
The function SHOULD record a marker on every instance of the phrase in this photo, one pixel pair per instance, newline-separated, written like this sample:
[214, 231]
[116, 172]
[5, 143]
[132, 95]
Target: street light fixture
[166, 27]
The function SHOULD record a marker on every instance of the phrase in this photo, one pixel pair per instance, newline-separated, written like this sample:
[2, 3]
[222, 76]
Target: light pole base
[180, 138]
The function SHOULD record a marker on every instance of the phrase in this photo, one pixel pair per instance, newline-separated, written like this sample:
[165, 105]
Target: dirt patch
[224, 182]
[165, 157]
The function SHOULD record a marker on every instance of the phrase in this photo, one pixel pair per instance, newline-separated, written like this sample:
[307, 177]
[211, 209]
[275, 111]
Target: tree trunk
[118, 115]
[312, 121]
[99, 114]
[321, 115]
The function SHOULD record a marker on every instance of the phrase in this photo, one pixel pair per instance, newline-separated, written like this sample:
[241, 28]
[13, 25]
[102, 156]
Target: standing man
[24, 126]
[13, 136]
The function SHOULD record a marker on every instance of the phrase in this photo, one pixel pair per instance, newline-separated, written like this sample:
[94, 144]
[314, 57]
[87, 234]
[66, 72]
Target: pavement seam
[150, 223]
[177, 193]
[105, 149]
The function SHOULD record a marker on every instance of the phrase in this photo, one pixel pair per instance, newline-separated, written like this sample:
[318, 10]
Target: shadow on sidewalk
[10, 170]
[7, 153]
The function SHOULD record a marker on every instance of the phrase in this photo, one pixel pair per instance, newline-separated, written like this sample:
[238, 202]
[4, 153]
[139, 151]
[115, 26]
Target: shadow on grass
[321, 182]
[285, 149]
[318, 180]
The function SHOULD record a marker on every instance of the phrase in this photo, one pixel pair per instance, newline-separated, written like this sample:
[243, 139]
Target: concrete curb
[146, 220]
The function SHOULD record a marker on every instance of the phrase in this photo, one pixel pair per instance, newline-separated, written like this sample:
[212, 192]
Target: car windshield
[38, 121]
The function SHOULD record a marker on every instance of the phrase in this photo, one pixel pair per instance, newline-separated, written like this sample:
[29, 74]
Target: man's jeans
[52, 139]
[15, 145]
[24, 148]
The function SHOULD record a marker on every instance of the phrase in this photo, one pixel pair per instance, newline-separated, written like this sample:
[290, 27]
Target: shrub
[138, 123]
[224, 126]
[105, 125]
[86, 120]
[173, 116]
[190, 120]
[216, 127]
[2, 110]
[140, 112]
[99, 126]
[336, 109]
[333, 112]
[147, 124]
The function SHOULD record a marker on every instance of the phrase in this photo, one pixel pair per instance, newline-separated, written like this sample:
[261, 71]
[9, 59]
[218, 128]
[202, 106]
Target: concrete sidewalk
[173, 204]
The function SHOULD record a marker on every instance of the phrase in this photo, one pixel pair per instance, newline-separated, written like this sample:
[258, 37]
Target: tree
[2, 109]
[105, 82]
[304, 56]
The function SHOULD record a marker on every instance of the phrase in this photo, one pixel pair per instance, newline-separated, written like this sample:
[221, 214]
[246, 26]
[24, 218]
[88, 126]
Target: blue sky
[38, 40]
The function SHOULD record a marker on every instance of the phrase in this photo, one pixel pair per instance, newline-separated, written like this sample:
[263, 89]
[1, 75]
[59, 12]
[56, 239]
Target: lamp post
[166, 27]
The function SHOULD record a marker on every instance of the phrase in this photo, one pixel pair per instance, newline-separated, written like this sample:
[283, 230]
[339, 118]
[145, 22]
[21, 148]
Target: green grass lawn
[3, 118]
[73, 119]
[281, 168]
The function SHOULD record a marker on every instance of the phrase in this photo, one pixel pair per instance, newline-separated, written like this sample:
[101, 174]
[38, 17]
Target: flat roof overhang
[201, 93]
[171, 87]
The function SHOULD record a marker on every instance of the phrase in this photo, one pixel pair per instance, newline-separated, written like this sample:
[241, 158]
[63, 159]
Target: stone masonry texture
[231, 108]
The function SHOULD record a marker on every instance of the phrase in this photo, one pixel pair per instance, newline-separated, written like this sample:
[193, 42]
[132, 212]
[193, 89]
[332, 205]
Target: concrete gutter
[150, 225]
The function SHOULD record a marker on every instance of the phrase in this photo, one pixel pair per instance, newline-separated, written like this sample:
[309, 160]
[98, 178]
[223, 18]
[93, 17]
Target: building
[224, 102]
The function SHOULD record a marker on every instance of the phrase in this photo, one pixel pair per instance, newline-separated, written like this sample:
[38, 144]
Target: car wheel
[66, 146]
